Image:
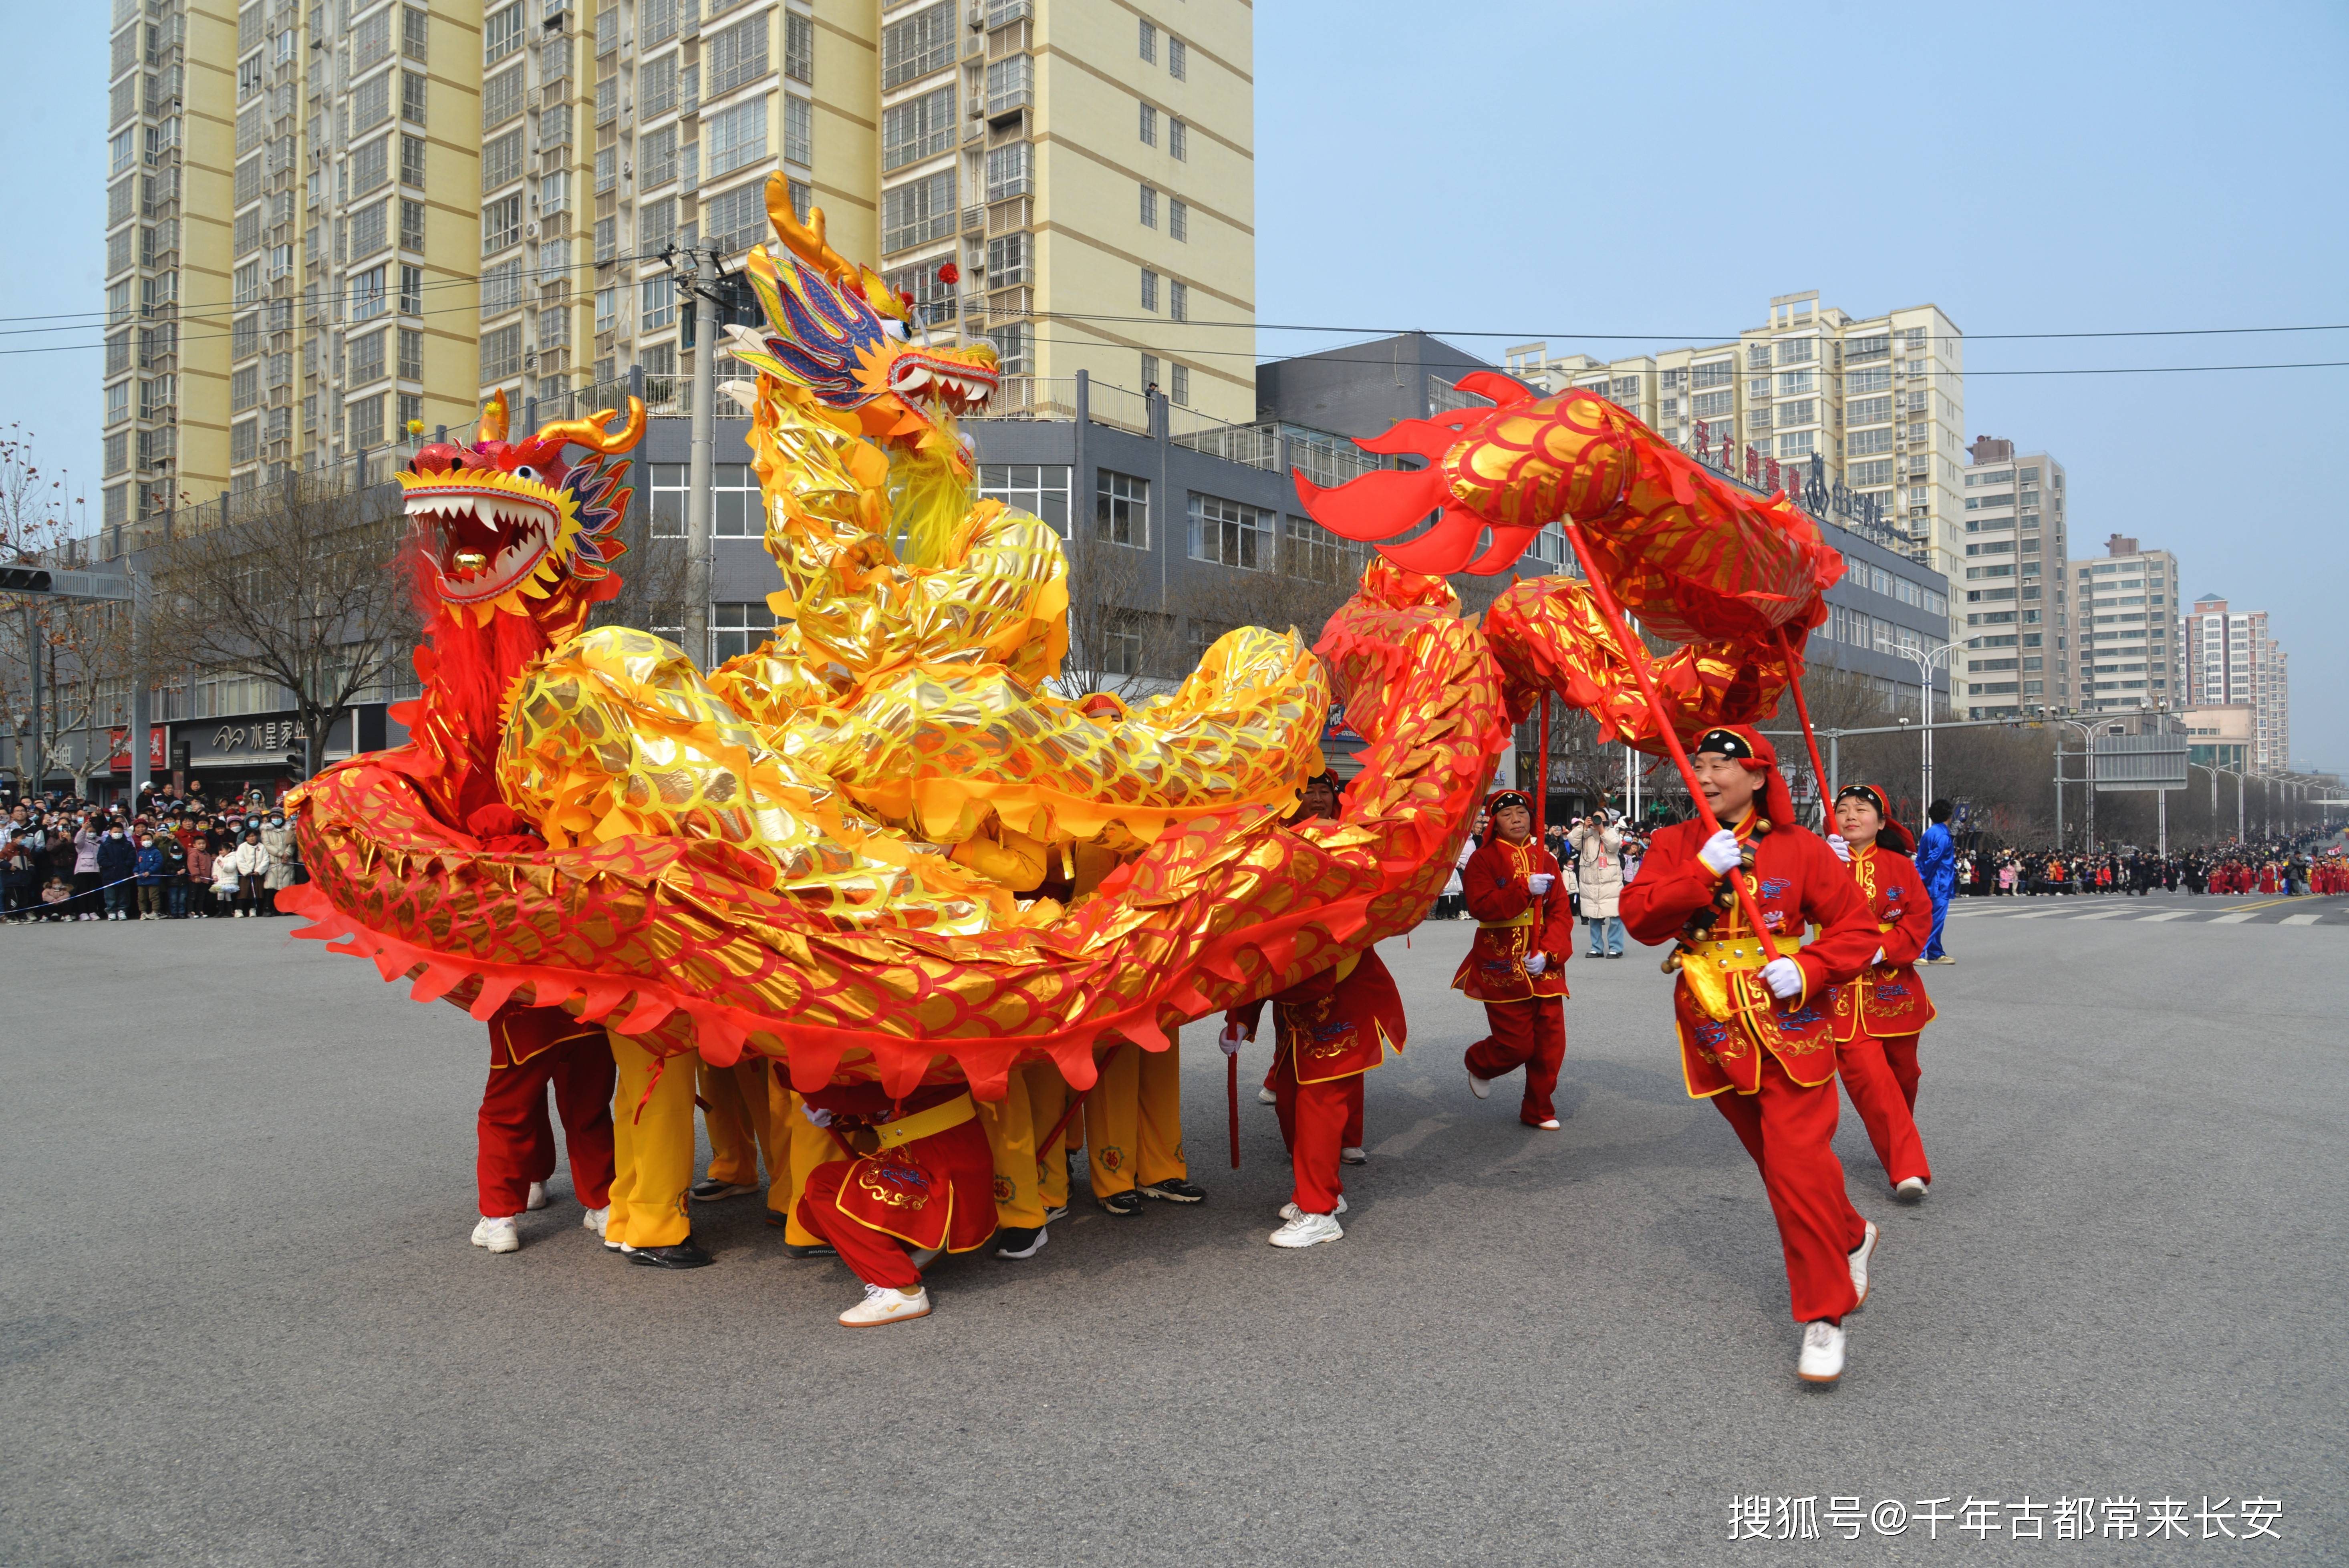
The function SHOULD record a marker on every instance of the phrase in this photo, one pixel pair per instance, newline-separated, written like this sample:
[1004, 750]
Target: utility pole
[699, 476]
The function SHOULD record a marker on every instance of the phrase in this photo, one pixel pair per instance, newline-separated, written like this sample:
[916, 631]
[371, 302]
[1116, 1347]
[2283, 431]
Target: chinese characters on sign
[1761, 1517]
[1810, 491]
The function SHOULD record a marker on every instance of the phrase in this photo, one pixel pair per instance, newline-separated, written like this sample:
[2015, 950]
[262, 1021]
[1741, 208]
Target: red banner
[157, 749]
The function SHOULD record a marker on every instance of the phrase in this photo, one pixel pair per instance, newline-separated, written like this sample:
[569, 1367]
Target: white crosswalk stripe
[2106, 914]
[2301, 919]
[2331, 913]
[2165, 914]
[2237, 918]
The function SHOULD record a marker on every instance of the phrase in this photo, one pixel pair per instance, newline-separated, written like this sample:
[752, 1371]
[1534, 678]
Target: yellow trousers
[1133, 1122]
[738, 1119]
[652, 1148]
[800, 1146]
[1029, 1183]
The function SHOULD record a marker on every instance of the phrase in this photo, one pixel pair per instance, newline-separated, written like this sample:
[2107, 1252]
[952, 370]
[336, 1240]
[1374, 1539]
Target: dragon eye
[525, 472]
[895, 328]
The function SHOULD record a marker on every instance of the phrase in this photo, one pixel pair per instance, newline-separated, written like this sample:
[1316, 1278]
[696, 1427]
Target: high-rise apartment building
[329, 222]
[2126, 650]
[2008, 600]
[2231, 658]
[291, 247]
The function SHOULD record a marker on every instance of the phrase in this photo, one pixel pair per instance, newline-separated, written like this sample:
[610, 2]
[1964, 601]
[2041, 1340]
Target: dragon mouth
[958, 387]
[490, 540]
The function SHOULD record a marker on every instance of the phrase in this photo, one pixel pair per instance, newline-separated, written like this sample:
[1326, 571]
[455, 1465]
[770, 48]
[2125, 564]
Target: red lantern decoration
[950, 275]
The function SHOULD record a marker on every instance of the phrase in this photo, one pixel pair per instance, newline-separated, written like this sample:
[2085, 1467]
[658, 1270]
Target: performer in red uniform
[1759, 1025]
[530, 1048]
[1878, 1017]
[920, 1182]
[1332, 1030]
[1516, 966]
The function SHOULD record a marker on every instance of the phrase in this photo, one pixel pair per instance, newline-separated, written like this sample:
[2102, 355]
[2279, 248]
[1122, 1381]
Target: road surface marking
[2302, 919]
[2170, 914]
[2103, 914]
[2237, 918]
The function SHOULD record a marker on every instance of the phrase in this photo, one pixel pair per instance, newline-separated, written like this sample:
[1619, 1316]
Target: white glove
[1231, 1040]
[1720, 854]
[820, 1117]
[1537, 883]
[1879, 956]
[1842, 850]
[1784, 976]
[1536, 962]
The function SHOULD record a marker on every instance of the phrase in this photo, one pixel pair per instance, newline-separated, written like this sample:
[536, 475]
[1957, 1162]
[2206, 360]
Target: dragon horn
[806, 240]
[492, 427]
[591, 432]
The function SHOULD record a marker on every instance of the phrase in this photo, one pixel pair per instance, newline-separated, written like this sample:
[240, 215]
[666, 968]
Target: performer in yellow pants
[1134, 1130]
[1031, 1188]
[736, 1112]
[652, 1149]
[799, 1147]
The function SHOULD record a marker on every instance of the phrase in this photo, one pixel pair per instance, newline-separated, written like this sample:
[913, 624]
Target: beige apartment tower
[330, 225]
[2008, 600]
[2230, 661]
[2126, 630]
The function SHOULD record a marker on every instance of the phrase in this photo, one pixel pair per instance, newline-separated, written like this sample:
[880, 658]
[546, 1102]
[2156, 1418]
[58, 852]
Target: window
[122, 152]
[371, 102]
[366, 426]
[118, 402]
[501, 288]
[502, 223]
[1006, 261]
[1040, 490]
[1860, 443]
[1149, 374]
[1178, 59]
[367, 296]
[1182, 381]
[1149, 202]
[656, 224]
[501, 160]
[1720, 373]
[1868, 410]
[738, 136]
[370, 165]
[412, 97]
[1875, 474]
[736, 56]
[917, 129]
[412, 290]
[1011, 346]
[918, 212]
[799, 47]
[1713, 404]
[1805, 411]
[1178, 140]
[500, 33]
[1799, 351]
[922, 43]
[736, 220]
[368, 231]
[1149, 43]
[1178, 304]
[501, 353]
[415, 34]
[658, 302]
[656, 89]
[366, 358]
[1007, 171]
[799, 130]
[411, 354]
[243, 391]
[1875, 380]
[244, 441]
[738, 628]
[1230, 533]
[1149, 289]
[1798, 444]
[1757, 358]
[411, 161]
[1149, 129]
[1122, 509]
[1010, 82]
[1178, 219]
[501, 99]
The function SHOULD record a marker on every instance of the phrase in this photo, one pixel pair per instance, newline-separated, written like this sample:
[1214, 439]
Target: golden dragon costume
[885, 845]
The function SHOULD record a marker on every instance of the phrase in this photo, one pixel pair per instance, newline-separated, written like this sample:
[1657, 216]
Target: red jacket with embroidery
[1888, 1000]
[1339, 1022]
[1797, 881]
[1512, 923]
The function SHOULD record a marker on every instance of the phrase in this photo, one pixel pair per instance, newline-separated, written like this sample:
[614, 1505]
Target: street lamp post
[2087, 782]
[1925, 662]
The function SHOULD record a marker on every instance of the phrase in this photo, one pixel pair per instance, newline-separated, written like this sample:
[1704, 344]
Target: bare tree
[1118, 643]
[74, 645]
[311, 586]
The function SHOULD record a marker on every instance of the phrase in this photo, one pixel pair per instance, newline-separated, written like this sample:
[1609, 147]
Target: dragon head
[838, 333]
[504, 522]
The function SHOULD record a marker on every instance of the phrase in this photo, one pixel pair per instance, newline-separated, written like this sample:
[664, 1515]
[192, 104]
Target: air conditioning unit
[979, 18]
[530, 230]
[978, 108]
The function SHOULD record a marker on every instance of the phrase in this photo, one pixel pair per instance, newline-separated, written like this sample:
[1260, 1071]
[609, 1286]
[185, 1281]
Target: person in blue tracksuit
[1937, 863]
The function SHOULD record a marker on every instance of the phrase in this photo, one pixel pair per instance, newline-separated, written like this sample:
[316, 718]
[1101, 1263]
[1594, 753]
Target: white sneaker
[537, 1198]
[1480, 1088]
[1912, 1190]
[595, 1219]
[1308, 1230]
[1549, 1126]
[1859, 1258]
[1290, 1211]
[1266, 1097]
[883, 1305]
[1354, 1156]
[1822, 1358]
[498, 1235]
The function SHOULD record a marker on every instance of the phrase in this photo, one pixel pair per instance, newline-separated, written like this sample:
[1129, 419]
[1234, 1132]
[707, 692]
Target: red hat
[1892, 835]
[1744, 744]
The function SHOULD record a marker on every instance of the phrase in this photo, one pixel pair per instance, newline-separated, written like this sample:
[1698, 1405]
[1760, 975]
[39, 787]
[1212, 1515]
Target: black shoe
[1021, 1240]
[1123, 1205]
[686, 1254]
[820, 1250]
[1175, 1190]
[1614, 955]
[718, 1192]
[1060, 1212]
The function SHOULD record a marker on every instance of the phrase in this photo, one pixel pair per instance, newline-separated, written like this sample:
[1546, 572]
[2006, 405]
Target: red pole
[1541, 788]
[1636, 653]
[1803, 712]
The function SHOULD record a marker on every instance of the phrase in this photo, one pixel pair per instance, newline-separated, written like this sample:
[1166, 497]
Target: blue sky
[1546, 171]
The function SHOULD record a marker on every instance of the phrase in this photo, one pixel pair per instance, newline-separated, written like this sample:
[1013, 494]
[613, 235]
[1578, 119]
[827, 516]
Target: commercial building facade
[2125, 612]
[2009, 600]
[2231, 659]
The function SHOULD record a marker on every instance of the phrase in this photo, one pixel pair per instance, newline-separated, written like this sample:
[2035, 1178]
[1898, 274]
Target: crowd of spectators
[162, 857]
[2282, 867]
[1597, 855]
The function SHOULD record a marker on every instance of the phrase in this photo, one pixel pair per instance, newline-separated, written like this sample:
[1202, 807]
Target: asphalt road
[243, 1324]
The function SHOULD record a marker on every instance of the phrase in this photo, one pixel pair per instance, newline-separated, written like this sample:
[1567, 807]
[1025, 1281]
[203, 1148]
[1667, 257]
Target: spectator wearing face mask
[175, 875]
[148, 865]
[249, 863]
[87, 837]
[117, 860]
[277, 838]
[199, 884]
